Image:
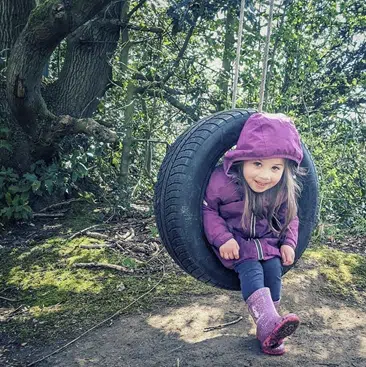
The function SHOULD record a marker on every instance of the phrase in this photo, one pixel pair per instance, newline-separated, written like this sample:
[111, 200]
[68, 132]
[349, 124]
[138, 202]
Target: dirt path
[332, 333]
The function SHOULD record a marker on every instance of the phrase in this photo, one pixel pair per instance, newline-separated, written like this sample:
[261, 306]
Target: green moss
[344, 272]
[61, 299]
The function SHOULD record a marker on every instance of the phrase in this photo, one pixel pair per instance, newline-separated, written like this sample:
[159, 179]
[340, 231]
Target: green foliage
[345, 273]
[16, 192]
[315, 74]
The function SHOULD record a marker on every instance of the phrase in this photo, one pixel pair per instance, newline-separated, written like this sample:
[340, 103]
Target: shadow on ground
[332, 333]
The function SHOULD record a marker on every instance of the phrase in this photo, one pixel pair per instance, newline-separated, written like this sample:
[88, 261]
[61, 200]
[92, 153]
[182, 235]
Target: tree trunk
[33, 131]
[130, 103]
[127, 141]
[13, 17]
[87, 69]
[224, 78]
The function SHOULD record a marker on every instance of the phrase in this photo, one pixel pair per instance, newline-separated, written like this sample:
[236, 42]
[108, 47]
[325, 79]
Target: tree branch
[67, 125]
[181, 53]
[47, 25]
[137, 7]
[121, 24]
[173, 101]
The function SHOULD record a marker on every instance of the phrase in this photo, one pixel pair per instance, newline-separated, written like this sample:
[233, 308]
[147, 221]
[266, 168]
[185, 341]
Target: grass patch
[345, 273]
[61, 300]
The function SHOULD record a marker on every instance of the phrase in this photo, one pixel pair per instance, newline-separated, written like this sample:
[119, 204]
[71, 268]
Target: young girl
[250, 218]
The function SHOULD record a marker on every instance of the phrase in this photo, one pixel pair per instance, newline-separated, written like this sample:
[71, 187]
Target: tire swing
[182, 182]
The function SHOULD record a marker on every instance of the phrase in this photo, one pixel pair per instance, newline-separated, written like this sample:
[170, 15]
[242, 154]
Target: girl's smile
[263, 174]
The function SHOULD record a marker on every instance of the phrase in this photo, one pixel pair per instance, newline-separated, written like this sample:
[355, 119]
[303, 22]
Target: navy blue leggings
[254, 274]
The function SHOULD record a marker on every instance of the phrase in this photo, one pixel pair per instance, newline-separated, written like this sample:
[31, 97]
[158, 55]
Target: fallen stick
[99, 236]
[48, 215]
[58, 205]
[128, 235]
[83, 231]
[15, 311]
[96, 246]
[119, 246]
[8, 299]
[101, 265]
[223, 325]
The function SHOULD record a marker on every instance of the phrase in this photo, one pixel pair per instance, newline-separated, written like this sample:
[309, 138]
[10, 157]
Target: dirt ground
[332, 333]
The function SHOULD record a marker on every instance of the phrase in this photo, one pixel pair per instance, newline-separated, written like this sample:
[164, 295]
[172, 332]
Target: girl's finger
[284, 258]
[236, 254]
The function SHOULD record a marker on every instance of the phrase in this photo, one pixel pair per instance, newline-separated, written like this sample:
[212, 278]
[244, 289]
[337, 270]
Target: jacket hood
[265, 136]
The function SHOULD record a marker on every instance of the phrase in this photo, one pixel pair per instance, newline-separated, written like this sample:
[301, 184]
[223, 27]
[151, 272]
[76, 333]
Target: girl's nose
[265, 176]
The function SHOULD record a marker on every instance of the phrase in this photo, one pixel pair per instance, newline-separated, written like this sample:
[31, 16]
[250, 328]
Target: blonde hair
[268, 204]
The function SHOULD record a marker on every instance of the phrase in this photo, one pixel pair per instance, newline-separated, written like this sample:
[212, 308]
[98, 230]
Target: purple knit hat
[265, 136]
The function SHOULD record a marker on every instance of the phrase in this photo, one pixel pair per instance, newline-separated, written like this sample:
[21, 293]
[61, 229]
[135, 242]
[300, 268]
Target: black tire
[181, 185]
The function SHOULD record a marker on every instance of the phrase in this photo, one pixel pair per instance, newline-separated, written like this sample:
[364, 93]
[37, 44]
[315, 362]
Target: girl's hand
[230, 250]
[287, 254]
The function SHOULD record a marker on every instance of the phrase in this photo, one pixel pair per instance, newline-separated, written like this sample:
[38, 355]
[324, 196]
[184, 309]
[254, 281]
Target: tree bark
[224, 77]
[47, 25]
[127, 141]
[13, 17]
[35, 131]
[87, 69]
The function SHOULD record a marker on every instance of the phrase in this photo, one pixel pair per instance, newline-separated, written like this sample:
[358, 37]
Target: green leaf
[36, 185]
[5, 145]
[14, 189]
[25, 196]
[8, 198]
[49, 186]
[30, 177]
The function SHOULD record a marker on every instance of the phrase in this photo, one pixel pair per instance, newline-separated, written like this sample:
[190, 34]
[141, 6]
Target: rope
[265, 57]
[238, 50]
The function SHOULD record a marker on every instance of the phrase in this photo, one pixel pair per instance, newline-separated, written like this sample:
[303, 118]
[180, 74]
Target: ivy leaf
[36, 185]
[30, 177]
[8, 198]
[49, 186]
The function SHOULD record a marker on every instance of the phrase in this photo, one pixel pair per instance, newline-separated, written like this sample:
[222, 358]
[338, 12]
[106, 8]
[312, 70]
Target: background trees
[121, 80]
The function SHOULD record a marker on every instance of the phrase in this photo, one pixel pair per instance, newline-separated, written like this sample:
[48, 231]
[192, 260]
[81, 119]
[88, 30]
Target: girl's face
[263, 174]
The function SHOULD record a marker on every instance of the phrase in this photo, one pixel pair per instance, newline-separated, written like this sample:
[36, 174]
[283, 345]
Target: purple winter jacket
[263, 136]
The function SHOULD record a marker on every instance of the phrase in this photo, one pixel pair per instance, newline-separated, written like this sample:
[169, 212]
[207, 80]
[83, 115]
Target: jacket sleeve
[292, 231]
[215, 226]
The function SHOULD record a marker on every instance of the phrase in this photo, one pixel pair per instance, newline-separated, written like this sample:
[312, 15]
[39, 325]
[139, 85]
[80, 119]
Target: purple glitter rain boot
[276, 350]
[271, 327]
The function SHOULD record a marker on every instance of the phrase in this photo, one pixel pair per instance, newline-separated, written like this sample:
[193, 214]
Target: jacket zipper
[258, 244]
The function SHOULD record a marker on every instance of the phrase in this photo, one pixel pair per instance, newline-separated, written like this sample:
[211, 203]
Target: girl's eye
[257, 164]
[275, 168]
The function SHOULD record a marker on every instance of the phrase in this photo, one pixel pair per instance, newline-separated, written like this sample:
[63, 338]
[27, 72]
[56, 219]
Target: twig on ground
[99, 236]
[100, 323]
[102, 265]
[128, 235]
[177, 348]
[8, 299]
[83, 231]
[48, 215]
[15, 311]
[153, 256]
[157, 249]
[58, 205]
[96, 246]
[119, 246]
[223, 325]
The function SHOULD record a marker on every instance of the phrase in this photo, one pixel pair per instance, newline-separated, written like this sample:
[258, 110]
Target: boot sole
[274, 351]
[285, 328]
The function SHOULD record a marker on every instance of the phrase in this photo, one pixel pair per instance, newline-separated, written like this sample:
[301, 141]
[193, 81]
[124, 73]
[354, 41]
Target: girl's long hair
[267, 204]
